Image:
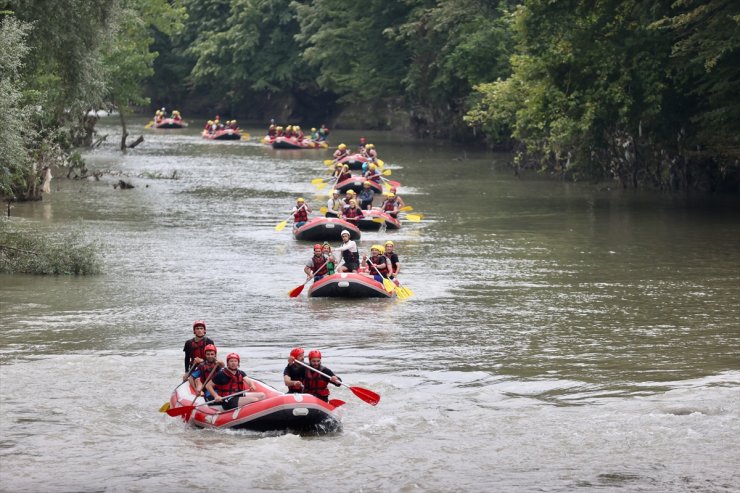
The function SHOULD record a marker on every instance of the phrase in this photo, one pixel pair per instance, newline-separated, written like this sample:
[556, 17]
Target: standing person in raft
[316, 384]
[195, 347]
[231, 380]
[294, 374]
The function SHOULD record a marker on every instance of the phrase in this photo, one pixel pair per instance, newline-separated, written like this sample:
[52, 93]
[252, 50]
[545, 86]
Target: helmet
[300, 199]
[393, 190]
[210, 347]
[334, 191]
[296, 351]
[376, 247]
[373, 166]
[352, 202]
[345, 167]
[370, 146]
[391, 195]
[366, 184]
[362, 140]
[342, 147]
[364, 166]
[313, 129]
[345, 232]
[233, 355]
[315, 353]
[317, 246]
[389, 242]
[199, 322]
[351, 192]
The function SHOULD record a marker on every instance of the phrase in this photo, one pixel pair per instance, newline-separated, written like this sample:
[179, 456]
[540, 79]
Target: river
[561, 337]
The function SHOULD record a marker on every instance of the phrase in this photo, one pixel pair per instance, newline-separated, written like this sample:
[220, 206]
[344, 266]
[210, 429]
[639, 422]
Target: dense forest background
[644, 93]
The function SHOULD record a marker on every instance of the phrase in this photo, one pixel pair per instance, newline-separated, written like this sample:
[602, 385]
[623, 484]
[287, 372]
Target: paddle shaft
[319, 372]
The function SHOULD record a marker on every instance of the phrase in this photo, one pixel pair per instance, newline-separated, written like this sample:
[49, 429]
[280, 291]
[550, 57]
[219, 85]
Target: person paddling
[294, 374]
[198, 377]
[195, 347]
[300, 212]
[316, 265]
[231, 380]
[316, 384]
[378, 264]
[392, 256]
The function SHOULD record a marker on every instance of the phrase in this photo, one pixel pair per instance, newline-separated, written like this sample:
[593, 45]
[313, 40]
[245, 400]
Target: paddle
[166, 405]
[366, 395]
[281, 225]
[387, 283]
[337, 402]
[406, 208]
[414, 218]
[390, 183]
[149, 125]
[179, 411]
[293, 293]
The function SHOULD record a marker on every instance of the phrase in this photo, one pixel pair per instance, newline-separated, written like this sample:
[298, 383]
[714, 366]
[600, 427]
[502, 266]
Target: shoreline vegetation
[645, 95]
[25, 252]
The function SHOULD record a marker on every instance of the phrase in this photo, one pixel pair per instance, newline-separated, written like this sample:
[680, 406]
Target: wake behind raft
[277, 412]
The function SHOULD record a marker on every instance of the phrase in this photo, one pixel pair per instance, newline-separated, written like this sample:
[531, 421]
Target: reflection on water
[560, 335]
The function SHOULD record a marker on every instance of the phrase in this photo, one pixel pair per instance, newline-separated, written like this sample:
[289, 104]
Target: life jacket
[351, 257]
[205, 370]
[381, 265]
[389, 205]
[344, 176]
[319, 266]
[301, 215]
[196, 349]
[373, 176]
[336, 205]
[351, 213]
[235, 384]
[316, 384]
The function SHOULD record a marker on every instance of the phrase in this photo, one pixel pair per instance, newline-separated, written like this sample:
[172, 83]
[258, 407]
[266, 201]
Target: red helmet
[314, 354]
[197, 323]
[210, 347]
[317, 247]
[233, 355]
[296, 351]
[362, 140]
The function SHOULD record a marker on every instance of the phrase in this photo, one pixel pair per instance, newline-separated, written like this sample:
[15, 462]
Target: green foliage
[28, 253]
[14, 158]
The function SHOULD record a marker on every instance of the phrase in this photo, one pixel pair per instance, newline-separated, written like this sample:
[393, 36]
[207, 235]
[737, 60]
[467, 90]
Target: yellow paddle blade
[320, 186]
[324, 210]
[318, 180]
[388, 285]
[380, 220]
[406, 208]
[414, 218]
[246, 136]
[400, 294]
[328, 162]
[387, 185]
[408, 291]
[164, 407]
[281, 225]
[380, 163]
[386, 172]
[149, 125]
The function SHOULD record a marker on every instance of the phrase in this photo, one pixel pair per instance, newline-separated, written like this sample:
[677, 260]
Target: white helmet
[345, 232]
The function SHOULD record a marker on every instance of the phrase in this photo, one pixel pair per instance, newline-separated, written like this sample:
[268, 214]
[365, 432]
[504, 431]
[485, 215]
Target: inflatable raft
[355, 183]
[292, 143]
[354, 161]
[348, 285]
[368, 222]
[225, 134]
[325, 229]
[170, 123]
[278, 412]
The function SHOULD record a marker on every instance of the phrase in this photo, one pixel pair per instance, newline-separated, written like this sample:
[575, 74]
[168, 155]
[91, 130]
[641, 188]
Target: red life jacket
[197, 348]
[235, 384]
[380, 265]
[316, 384]
[205, 370]
[351, 213]
[319, 266]
[300, 215]
[344, 176]
[389, 205]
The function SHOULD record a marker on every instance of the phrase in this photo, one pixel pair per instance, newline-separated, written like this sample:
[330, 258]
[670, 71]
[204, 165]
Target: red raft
[348, 285]
[170, 123]
[325, 229]
[225, 134]
[278, 412]
[370, 223]
[293, 143]
[353, 161]
[355, 183]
